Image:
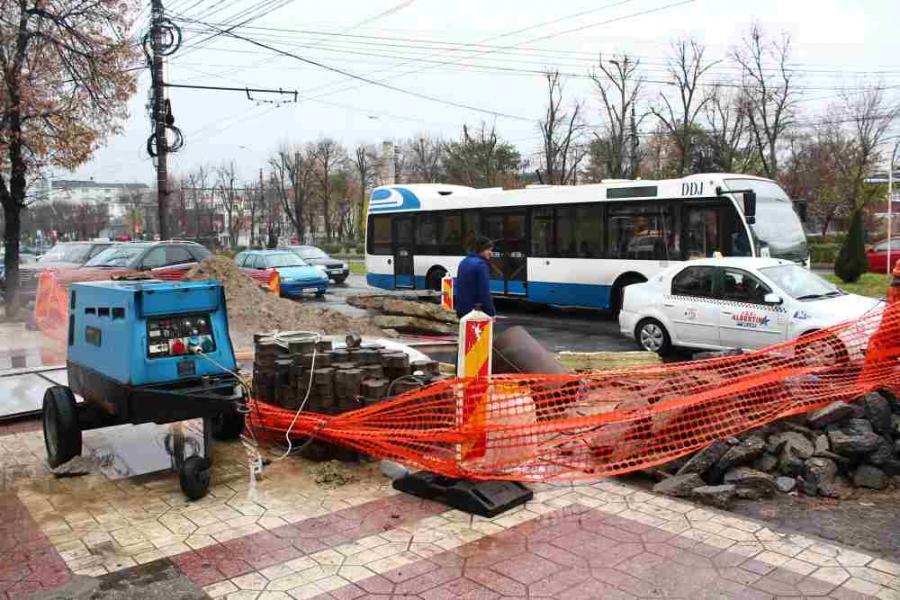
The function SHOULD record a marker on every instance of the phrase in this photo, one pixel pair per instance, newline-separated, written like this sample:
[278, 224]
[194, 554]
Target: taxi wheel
[826, 351]
[652, 336]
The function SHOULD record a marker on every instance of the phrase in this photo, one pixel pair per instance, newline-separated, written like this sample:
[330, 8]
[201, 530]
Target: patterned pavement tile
[287, 537]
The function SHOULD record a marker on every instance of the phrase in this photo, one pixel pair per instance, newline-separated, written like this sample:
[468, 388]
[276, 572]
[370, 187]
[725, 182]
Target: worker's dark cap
[483, 243]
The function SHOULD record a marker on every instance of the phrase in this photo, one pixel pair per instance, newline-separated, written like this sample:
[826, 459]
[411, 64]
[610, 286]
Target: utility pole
[262, 200]
[160, 113]
[298, 205]
[890, 227]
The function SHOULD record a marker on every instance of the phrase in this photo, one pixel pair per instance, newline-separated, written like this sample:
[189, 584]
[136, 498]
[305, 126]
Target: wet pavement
[285, 536]
[124, 530]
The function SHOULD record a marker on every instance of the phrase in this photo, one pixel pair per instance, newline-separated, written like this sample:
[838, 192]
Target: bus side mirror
[750, 206]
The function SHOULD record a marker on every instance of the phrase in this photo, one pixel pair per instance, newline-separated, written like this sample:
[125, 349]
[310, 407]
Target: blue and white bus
[575, 245]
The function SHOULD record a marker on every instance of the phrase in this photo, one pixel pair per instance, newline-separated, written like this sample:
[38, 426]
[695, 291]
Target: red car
[877, 254]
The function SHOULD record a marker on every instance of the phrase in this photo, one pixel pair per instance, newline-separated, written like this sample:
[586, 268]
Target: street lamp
[891, 201]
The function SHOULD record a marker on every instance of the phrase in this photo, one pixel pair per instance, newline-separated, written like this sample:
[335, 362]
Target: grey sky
[836, 43]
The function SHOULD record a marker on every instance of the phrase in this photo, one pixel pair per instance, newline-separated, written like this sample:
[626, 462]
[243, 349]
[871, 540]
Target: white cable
[312, 368]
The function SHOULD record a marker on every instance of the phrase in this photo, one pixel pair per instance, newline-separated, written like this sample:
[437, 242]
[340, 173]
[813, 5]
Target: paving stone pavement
[286, 537]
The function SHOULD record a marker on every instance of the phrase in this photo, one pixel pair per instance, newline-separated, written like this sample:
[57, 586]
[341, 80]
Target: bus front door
[404, 263]
[509, 272]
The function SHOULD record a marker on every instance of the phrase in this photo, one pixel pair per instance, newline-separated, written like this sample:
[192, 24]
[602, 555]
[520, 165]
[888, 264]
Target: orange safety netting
[560, 427]
[556, 427]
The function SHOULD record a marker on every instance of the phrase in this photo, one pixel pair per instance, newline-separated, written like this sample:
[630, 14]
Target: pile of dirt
[334, 474]
[254, 310]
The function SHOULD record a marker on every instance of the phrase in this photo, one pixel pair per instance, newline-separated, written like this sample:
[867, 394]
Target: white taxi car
[727, 303]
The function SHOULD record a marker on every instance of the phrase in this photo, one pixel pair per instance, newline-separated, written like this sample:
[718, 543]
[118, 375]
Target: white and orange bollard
[447, 293]
[476, 339]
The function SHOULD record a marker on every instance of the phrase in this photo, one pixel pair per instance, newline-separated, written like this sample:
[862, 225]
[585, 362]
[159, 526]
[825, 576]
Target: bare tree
[232, 203]
[364, 161]
[330, 157]
[198, 201]
[561, 133]
[770, 93]
[619, 87]
[726, 130]
[679, 117]
[292, 176]
[870, 116]
[425, 159]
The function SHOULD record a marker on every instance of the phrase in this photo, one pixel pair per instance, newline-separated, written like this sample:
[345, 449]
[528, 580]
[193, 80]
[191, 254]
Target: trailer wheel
[229, 425]
[194, 477]
[62, 432]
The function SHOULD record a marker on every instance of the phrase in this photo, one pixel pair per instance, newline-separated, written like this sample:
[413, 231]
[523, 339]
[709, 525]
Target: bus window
[542, 232]
[381, 235]
[639, 232]
[427, 234]
[701, 232]
[470, 230]
[578, 232]
[451, 234]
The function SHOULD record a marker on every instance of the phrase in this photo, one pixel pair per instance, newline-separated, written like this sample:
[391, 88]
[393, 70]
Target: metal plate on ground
[22, 395]
[129, 450]
[482, 498]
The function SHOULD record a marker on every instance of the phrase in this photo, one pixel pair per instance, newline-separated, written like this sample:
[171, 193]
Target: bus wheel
[434, 277]
[617, 295]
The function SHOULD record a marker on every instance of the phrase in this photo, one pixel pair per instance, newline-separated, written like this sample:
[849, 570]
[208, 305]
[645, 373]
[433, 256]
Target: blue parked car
[295, 274]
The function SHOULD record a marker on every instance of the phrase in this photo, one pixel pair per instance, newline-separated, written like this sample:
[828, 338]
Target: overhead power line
[366, 79]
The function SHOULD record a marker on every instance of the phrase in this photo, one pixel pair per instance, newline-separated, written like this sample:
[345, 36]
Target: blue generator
[147, 352]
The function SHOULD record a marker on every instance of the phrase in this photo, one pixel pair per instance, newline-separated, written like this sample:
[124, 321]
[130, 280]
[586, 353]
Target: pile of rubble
[408, 316]
[827, 453]
[251, 309]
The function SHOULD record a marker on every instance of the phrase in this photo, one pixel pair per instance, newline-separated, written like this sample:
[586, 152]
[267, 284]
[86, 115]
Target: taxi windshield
[800, 283]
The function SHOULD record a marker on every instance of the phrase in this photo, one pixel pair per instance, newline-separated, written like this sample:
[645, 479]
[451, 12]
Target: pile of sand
[254, 310]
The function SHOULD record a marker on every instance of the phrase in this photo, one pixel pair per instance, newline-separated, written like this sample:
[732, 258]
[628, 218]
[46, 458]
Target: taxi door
[692, 307]
[745, 320]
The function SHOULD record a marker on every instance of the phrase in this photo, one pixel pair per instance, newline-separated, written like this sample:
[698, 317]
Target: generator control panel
[178, 335]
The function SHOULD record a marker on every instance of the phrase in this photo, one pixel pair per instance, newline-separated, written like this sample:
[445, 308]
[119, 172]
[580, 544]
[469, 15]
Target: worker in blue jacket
[473, 280]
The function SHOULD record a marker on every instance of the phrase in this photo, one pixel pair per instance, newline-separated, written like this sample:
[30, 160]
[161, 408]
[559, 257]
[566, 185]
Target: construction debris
[591, 362]
[252, 309]
[408, 316]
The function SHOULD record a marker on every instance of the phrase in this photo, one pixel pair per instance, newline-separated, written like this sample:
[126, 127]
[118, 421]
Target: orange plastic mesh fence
[557, 427]
[51, 303]
[560, 427]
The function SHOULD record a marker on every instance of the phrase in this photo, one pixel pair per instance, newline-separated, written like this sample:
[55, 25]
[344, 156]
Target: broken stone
[892, 400]
[871, 477]
[877, 412]
[785, 485]
[767, 462]
[858, 411]
[891, 467]
[78, 466]
[750, 483]
[797, 444]
[720, 496]
[741, 454]
[833, 413]
[883, 453]
[704, 459]
[853, 441]
[680, 486]
[789, 463]
[895, 425]
[818, 473]
[821, 444]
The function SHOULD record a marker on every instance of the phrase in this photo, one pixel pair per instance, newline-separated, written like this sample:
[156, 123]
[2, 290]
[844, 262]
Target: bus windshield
[777, 229]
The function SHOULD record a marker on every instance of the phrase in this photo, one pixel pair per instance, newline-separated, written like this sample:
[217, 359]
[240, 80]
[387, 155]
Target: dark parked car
[337, 270]
[62, 257]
